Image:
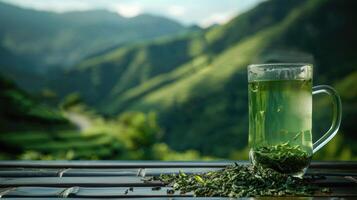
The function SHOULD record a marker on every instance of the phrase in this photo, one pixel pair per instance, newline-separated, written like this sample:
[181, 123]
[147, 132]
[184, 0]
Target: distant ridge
[57, 40]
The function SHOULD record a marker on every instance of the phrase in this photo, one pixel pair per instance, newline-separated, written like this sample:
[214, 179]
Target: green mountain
[51, 40]
[123, 68]
[197, 83]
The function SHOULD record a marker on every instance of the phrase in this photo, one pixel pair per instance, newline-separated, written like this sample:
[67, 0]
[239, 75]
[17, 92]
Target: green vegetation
[131, 136]
[17, 107]
[195, 83]
[240, 181]
[32, 130]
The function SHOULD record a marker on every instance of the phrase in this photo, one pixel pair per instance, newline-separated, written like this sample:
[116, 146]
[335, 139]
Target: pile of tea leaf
[284, 158]
[239, 181]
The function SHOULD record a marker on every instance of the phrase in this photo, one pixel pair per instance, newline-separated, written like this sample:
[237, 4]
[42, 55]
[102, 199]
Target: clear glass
[280, 116]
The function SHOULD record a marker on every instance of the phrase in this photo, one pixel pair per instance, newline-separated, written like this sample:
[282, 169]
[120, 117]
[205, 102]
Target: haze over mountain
[51, 40]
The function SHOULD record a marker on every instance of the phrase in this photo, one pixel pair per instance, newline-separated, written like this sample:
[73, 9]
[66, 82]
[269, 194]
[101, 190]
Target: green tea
[280, 113]
[241, 181]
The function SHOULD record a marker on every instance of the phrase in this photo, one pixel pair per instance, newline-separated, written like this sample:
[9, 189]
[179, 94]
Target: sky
[200, 12]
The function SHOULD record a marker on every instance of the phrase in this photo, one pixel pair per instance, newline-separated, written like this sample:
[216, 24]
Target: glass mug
[280, 116]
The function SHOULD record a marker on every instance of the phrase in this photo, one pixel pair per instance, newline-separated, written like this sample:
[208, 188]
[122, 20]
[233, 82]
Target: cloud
[216, 18]
[128, 9]
[176, 10]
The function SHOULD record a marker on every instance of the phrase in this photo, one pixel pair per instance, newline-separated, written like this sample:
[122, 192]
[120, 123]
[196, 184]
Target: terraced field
[68, 144]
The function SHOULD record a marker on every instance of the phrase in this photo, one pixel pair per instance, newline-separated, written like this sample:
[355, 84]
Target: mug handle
[336, 118]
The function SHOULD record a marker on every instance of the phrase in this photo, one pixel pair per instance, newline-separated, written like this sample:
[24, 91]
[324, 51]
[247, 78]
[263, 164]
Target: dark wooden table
[126, 179]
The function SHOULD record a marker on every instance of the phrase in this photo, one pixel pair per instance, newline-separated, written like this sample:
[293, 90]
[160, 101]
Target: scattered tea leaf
[199, 179]
[240, 181]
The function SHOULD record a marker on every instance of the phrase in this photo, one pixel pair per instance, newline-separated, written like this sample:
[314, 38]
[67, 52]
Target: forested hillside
[198, 84]
[111, 74]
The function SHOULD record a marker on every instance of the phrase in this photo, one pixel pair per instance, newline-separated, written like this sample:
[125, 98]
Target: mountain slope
[209, 100]
[53, 40]
[112, 74]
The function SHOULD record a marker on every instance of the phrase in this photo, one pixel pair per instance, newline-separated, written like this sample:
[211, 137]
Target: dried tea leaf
[240, 181]
[283, 158]
[199, 179]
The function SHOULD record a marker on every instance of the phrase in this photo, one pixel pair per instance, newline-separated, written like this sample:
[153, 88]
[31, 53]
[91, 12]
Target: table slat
[78, 181]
